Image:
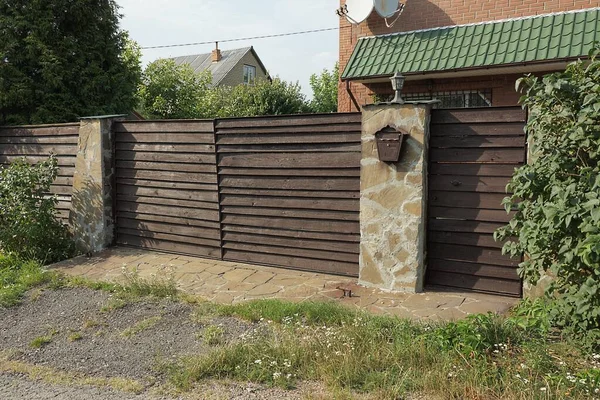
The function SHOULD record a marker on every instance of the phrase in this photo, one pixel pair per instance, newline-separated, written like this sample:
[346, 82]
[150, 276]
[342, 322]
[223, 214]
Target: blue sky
[293, 58]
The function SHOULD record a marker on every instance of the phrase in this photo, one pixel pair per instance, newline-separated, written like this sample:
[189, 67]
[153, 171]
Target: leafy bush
[28, 223]
[557, 196]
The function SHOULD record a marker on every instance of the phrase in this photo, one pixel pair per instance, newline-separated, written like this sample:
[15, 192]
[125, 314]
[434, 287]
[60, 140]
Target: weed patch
[141, 326]
[17, 277]
[484, 356]
[213, 335]
[43, 340]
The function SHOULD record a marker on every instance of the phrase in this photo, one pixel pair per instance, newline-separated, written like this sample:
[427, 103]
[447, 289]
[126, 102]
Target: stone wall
[393, 200]
[91, 215]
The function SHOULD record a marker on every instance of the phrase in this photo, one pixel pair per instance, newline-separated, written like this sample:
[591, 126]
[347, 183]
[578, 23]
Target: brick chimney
[216, 53]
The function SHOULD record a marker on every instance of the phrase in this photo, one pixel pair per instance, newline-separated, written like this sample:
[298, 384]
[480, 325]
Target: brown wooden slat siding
[167, 197]
[473, 154]
[36, 143]
[289, 189]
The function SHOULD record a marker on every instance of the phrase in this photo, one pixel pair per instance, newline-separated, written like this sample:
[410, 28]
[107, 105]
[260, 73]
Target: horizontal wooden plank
[343, 247]
[292, 251]
[291, 183]
[451, 225]
[291, 148]
[169, 202]
[161, 227]
[38, 149]
[165, 138]
[463, 281]
[291, 160]
[161, 166]
[173, 126]
[195, 195]
[500, 156]
[470, 214]
[353, 238]
[292, 202]
[166, 148]
[289, 120]
[307, 264]
[292, 213]
[461, 183]
[191, 213]
[506, 170]
[170, 157]
[457, 141]
[348, 194]
[307, 225]
[265, 138]
[491, 201]
[62, 190]
[477, 129]
[39, 140]
[475, 254]
[154, 235]
[63, 160]
[144, 218]
[167, 185]
[169, 176]
[173, 247]
[481, 270]
[471, 239]
[306, 172]
[474, 115]
[63, 181]
[48, 130]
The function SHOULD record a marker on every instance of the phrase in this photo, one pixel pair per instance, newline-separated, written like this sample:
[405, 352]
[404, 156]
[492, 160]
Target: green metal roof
[539, 38]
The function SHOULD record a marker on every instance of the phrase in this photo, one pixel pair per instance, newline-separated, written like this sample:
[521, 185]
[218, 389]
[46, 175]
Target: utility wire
[240, 39]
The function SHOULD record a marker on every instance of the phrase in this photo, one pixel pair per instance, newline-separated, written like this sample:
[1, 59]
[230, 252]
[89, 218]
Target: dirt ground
[94, 347]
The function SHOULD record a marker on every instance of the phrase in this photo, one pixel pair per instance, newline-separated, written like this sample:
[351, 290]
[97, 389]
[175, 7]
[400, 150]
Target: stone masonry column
[91, 215]
[393, 200]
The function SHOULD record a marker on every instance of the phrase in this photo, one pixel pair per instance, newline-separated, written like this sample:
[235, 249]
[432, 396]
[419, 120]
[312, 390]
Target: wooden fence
[268, 190]
[36, 143]
[473, 155]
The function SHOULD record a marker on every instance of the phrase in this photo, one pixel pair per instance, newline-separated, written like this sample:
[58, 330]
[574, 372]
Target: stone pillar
[393, 200]
[91, 215]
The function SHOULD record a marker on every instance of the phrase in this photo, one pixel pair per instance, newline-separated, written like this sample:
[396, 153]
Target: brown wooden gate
[289, 189]
[166, 179]
[473, 153]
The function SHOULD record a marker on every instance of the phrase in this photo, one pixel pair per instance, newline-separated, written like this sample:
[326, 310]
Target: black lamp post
[397, 85]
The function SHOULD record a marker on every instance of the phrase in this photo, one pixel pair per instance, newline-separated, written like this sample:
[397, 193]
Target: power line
[241, 39]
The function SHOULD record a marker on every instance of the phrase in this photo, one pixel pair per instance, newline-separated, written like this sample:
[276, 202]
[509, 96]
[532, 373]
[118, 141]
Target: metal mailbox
[389, 144]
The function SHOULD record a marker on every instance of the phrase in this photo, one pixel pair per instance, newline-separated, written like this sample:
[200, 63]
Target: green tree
[263, 98]
[171, 91]
[557, 196]
[63, 59]
[325, 90]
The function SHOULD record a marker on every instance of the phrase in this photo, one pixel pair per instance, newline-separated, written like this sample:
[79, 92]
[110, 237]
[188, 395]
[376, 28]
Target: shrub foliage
[557, 195]
[28, 223]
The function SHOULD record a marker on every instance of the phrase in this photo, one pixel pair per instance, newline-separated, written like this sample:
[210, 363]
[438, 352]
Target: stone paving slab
[233, 282]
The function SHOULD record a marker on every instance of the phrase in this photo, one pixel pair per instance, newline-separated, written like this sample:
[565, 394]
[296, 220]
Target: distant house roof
[542, 38]
[219, 70]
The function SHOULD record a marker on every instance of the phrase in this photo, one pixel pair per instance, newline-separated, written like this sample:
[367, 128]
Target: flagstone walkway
[230, 282]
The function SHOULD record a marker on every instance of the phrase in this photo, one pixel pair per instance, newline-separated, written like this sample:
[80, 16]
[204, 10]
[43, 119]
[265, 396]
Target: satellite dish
[386, 8]
[358, 10]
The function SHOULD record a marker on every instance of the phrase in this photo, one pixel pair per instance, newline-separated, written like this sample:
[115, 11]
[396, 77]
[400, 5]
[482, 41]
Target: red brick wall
[422, 14]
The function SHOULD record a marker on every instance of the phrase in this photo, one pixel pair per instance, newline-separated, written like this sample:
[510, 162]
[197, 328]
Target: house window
[249, 74]
[455, 99]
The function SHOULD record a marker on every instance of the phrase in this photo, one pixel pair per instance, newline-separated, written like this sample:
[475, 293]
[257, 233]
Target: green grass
[141, 326]
[213, 335]
[17, 277]
[485, 356]
[43, 340]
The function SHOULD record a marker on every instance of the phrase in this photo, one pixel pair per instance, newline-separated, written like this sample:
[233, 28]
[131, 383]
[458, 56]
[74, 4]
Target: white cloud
[293, 58]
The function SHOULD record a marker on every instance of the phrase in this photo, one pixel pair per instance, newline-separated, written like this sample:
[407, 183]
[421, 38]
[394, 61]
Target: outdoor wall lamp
[397, 85]
[389, 143]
